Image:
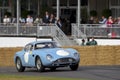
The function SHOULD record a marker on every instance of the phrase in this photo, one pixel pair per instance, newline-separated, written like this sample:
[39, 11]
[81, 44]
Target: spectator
[93, 42]
[91, 20]
[38, 20]
[29, 20]
[109, 21]
[59, 24]
[22, 20]
[46, 18]
[118, 21]
[52, 19]
[13, 20]
[83, 42]
[6, 20]
[96, 21]
[103, 20]
[88, 42]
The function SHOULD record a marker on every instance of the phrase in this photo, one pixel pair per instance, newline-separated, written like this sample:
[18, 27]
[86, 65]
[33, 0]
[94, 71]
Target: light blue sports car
[46, 54]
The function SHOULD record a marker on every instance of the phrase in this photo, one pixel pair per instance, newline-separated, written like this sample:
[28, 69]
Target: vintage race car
[46, 54]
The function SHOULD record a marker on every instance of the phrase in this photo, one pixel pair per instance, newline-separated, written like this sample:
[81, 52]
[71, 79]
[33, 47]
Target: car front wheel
[39, 65]
[53, 68]
[74, 67]
[19, 66]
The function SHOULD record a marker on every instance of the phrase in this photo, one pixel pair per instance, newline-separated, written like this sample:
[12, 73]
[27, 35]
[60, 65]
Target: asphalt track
[84, 72]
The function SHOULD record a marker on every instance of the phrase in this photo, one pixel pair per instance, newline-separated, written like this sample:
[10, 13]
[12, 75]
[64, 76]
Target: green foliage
[16, 77]
[84, 14]
[24, 13]
[8, 14]
[93, 13]
[106, 13]
[44, 9]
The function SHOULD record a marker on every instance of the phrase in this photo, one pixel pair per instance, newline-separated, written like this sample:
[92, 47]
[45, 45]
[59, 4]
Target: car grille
[65, 60]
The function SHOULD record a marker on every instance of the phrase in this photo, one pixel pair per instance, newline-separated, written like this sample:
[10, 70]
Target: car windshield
[45, 45]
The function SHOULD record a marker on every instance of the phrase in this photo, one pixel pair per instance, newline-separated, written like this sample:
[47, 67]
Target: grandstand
[64, 9]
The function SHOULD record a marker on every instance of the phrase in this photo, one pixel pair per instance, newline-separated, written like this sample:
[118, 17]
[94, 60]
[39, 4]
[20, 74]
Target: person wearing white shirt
[6, 20]
[29, 20]
[103, 20]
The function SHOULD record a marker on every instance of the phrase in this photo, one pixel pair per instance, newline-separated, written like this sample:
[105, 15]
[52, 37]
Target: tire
[74, 67]
[39, 65]
[19, 66]
[53, 68]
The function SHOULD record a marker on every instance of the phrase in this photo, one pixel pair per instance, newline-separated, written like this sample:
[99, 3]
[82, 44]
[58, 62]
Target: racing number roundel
[62, 53]
[26, 57]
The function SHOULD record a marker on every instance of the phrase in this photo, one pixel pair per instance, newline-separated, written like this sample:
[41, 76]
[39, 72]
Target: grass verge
[19, 77]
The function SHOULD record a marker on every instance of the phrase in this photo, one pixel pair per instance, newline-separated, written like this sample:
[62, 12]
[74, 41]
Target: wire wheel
[19, 66]
[39, 65]
[74, 67]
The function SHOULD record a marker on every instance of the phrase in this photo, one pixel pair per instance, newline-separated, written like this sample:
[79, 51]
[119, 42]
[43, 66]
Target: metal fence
[96, 30]
[25, 30]
[83, 31]
[36, 30]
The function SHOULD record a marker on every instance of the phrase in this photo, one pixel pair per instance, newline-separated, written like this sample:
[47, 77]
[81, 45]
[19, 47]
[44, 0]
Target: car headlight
[49, 57]
[76, 54]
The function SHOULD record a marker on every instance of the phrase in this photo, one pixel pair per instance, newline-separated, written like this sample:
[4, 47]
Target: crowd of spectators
[106, 24]
[29, 20]
[64, 24]
[46, 19]
[104, 20]
[50, 18]
[89, 42]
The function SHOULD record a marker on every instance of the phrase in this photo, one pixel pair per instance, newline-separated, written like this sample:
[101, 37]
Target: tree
[93, 13]
[106, 13]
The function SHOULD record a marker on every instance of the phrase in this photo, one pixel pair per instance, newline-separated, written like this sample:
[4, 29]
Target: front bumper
[62, 62]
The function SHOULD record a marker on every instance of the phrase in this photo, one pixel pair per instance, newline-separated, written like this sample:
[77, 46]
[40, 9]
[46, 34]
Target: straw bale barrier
[7, 56]
[90, 55]
[99, 55]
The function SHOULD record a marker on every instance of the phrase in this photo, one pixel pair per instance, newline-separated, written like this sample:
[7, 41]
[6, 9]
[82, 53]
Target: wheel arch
[17, 57]
[42, 58]
[37, 56]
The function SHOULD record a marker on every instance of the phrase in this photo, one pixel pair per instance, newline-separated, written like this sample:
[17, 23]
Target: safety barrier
[96, 30]
[90, 55]
[36, 30]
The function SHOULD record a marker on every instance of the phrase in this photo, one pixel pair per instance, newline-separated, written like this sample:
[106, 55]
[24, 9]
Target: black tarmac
[84, 72]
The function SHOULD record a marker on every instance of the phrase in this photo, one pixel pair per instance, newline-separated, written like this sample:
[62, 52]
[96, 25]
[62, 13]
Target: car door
[31, 56]
[28, 55]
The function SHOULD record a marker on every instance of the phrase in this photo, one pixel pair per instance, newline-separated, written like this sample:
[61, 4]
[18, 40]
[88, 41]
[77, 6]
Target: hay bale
[89, 55]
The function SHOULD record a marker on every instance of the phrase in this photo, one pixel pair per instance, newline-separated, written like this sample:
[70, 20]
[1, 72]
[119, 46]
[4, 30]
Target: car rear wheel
[74, 67]
[19, 66]
[39, 65]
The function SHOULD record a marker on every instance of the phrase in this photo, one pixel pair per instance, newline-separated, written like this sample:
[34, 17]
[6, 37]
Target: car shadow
[48, 70]
[81, 69]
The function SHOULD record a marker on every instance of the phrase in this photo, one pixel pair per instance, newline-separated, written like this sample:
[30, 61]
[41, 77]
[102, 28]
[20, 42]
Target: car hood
[57, 52]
